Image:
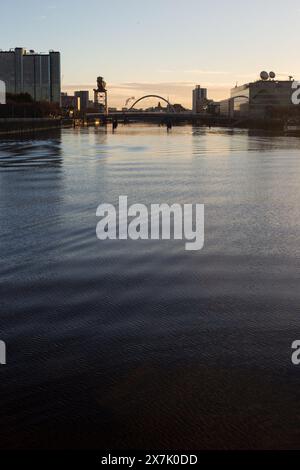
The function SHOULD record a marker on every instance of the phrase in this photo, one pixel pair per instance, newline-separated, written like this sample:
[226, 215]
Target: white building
[259, 98]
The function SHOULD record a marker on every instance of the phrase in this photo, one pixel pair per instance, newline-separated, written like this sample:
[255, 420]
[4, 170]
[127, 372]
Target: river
[142, 344]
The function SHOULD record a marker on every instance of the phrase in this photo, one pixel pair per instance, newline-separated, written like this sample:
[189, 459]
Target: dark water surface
[123, 344]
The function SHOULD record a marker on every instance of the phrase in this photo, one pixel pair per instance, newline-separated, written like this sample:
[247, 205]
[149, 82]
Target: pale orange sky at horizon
[163, 47]
[176, 92]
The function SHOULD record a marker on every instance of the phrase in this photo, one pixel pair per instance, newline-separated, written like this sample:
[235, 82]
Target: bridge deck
[158, 117]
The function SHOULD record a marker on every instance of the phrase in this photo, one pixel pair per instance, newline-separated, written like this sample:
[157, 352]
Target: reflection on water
[142, 344]
[30, 150]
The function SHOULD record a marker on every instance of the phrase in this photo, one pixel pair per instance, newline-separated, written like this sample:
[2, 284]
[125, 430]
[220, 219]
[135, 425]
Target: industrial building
[29, 72]
[199, 99]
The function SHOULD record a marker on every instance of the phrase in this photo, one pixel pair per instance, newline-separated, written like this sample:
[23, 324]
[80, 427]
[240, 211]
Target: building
[199, 99]
[82, 99]
[226, 107]
[68, 102]
[239, 100]
[259, 98]
[29, 72]
[178, 108]
[78, 102]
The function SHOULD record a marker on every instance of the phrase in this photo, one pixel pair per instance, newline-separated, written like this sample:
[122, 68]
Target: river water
[141, 344]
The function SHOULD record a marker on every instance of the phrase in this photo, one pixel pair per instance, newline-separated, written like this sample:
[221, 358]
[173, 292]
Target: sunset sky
[159, 46]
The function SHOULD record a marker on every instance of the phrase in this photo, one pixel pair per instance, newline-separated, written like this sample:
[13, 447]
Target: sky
[162, 47]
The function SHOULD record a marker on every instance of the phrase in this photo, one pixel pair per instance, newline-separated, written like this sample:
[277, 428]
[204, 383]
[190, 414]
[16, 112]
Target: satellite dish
[264, 75]
[272, 75]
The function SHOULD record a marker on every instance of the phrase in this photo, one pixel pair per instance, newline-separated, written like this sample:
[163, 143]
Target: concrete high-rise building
[28, 72]
[199, 99]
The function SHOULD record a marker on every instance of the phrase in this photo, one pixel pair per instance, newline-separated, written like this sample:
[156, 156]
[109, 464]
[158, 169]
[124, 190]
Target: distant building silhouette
[178, 108]
[82, 100]
[199, 99]
[29, 72]
[68, 102]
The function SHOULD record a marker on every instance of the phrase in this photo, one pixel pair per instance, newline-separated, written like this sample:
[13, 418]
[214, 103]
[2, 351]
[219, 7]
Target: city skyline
[142, 49]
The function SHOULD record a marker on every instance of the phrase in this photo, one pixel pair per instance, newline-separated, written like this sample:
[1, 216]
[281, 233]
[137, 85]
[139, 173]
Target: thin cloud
[40, 18]
[206, 72]
[195, 71]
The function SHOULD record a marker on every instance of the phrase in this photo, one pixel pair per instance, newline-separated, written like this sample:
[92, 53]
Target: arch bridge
[153, 96]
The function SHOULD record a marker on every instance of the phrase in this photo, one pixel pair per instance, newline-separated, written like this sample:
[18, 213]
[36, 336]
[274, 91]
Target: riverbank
[19, 126]
[11, 126]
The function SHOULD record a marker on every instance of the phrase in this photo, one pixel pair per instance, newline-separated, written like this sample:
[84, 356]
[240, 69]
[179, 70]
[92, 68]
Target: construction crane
[128, 101]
